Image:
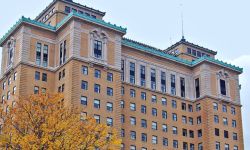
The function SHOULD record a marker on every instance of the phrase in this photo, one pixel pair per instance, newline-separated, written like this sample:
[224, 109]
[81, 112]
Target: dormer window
[98, 49]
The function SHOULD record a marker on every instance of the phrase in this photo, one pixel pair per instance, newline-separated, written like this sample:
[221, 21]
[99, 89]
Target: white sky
[222, 25]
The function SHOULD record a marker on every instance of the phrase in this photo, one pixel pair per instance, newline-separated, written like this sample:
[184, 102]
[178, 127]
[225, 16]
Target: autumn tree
[42, 122]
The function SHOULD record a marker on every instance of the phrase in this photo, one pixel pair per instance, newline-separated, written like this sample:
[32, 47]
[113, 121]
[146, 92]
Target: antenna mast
[182, 22]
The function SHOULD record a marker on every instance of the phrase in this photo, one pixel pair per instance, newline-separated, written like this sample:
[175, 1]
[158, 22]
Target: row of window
[224, 108]
[109, 120]
[37, 90]
[175, 144]
[9, 81]
[69, 9]
[97, 88]
[44, 19]
[226, 134]
[196, 53]
[225, 121]
[184, 106]
[162, 76]
[96, 103]
[38, 76]
[97, 73]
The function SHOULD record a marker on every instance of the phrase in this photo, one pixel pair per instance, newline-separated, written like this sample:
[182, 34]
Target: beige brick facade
[195, 118]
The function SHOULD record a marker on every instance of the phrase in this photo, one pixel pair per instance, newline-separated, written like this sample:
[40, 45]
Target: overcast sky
[221, 25]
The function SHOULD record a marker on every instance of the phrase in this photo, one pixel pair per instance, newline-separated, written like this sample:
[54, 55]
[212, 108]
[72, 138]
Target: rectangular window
[216, 119]
[109, 106]
[173, 90]
[175, 144]
[199, 133]
[84, 85]
[109, 91]
[123, 71]
[85, 70]
[144, 137]
[164, 128]
[163, 82]
[143, 109]
[153, 99]
[67, 9]
[189, 50]
[37, 75]
[122, 104]
[217, 145]
[233, 112]
[122, 90]
[109, 121]
[154, 139]
[174, 117]
[225, 134]
[235, 136]
[217, 132]
[132, 73]
[132, 121]
[143, 75]
[154, 111]
[164, 114]
[165, 142]
[97, 73]
[38, 53]
[154, 125]
[175, 131]
[226, 146]
[223, 90]
[174, 104]
[183, 87]
[234, 124]
[45, 55]
[63, 49]
[4, 85]
[14, 90]
[132, 93]
[143, 96]
[122, 118]
[215, 106]
[36, 90]
[97, 88]
[44, 77]
[98, 49]
[97, 103]
[84, 100]
[153, 79]
[185, 146]
[183, 106]
[224, 108]
[132, 136]
[143, 123]
[191, 133]
[97, 118]
[164, 101]
[110, 77]
[197, 88]
[15, 76]
[132, 107]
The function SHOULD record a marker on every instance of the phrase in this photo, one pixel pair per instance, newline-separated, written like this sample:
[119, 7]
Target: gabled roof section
[72, 3]
[59, 25]
[161, 53]
[185, 42]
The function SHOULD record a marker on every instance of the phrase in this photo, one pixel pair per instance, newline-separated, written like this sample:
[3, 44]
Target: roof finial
[182, 22]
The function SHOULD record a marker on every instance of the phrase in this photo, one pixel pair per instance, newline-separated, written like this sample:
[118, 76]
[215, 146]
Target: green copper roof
[67, 18]
[155, 51]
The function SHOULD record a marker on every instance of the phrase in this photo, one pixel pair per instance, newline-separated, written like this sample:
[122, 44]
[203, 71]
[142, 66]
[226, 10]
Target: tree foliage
[43, 123]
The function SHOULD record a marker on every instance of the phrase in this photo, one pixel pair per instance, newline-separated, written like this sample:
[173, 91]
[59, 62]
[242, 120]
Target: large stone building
[177, 98]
